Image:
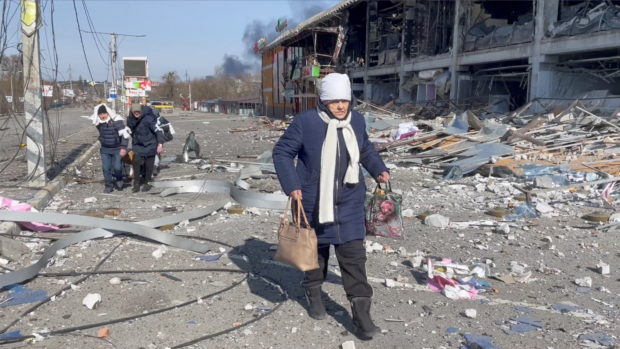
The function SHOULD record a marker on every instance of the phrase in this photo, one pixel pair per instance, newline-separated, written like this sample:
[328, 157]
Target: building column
[540, 76]
[404, 96]
[456, 48]
[368, 89]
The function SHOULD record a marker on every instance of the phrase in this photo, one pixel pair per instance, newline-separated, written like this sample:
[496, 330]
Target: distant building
[466, 52]
[240, 106]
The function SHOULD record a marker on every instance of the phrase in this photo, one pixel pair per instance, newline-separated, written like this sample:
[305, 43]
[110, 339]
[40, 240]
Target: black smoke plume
[258, 29]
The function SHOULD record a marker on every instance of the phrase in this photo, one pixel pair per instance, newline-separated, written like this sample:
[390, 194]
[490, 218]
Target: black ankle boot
[316, 308]
[136, 187]
[364, 328]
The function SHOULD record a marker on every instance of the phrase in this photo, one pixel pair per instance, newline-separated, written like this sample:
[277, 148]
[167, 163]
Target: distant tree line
[218, 86]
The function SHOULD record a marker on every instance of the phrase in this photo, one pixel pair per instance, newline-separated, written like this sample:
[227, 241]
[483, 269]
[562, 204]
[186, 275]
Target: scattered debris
[523, 325]
[209, 258]
[603, 268]
[585, 281]
[19, 294]
[597, 338]
[502, 228]
[437, 221]
[103, 332]
[474, 341]
[91, 300]
[171, 277]
[159, 252]
[14, 205]
[471, 313]
[348, 345]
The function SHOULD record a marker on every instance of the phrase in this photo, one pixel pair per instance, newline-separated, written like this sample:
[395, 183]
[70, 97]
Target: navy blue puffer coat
[109, 138]
[304, 139]
[144, 134]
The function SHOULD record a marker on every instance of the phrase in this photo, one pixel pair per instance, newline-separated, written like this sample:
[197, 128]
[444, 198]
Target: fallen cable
[143, 229]
[99, 232]
[128, 318]
[31, 271]
[79, 281]
[244, 197]
[231, 329]
[158, 311]
[139, 271]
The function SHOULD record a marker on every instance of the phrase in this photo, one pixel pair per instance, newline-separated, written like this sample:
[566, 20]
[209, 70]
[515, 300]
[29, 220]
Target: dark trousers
[142, 169]
[352, 260]
[111, 166]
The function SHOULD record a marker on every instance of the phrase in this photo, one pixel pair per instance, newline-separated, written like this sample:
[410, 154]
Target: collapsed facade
[457, 52]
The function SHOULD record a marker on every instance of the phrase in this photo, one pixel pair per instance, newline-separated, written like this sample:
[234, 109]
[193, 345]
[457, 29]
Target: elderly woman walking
[330, 142]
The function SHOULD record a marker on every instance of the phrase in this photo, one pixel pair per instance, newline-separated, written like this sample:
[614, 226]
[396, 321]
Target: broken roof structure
[456, 53]
[316, 19]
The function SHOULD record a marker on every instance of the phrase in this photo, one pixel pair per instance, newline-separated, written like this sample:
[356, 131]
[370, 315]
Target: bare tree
[168, 86]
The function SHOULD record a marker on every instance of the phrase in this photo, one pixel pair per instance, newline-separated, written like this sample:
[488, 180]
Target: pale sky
[181, 35]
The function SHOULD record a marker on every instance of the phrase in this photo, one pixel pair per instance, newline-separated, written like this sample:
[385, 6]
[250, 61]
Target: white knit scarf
[328, 162]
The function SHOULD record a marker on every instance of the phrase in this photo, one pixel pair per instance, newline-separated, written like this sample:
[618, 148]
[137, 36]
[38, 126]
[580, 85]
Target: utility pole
[189, 84]
[71, 85]
[33, 106]
[113, 54]
[12, 94]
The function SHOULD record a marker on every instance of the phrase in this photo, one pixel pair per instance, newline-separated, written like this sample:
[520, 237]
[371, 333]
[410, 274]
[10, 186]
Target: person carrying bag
[318, 161]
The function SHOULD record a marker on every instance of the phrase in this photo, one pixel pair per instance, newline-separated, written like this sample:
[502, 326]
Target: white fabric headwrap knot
[94, 117]
[328, 162]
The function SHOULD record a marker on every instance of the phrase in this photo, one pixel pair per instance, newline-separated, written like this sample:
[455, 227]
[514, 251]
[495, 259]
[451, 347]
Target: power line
[98, 41]
[117, 34]
[82, 41]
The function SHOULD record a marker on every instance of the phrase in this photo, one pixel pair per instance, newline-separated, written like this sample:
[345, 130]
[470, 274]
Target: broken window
[579, 17]
[428, 27]
[593, 77]
[493, 24]
[355, 45]
[385, 89]
[501, 86]
[385, 20]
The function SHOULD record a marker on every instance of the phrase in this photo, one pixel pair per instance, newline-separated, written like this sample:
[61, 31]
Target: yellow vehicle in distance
[163, 106]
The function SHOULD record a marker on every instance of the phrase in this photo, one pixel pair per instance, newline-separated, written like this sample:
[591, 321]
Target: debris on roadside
[91, 300]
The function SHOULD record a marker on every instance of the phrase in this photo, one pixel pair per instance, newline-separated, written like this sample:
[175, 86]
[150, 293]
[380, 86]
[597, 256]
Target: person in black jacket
[147, 142]
[113, 138]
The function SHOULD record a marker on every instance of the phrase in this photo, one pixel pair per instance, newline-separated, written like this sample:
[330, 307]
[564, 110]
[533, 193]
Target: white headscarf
[335, 87]
[96, 120]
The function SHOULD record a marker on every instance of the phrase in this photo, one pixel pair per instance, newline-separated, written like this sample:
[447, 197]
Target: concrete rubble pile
[572, 140]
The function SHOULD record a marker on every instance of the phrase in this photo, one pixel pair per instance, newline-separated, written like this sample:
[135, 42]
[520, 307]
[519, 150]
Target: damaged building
[460, 53]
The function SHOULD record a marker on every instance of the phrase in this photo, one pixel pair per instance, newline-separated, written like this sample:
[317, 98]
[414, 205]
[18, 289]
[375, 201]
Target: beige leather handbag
[297, 244]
